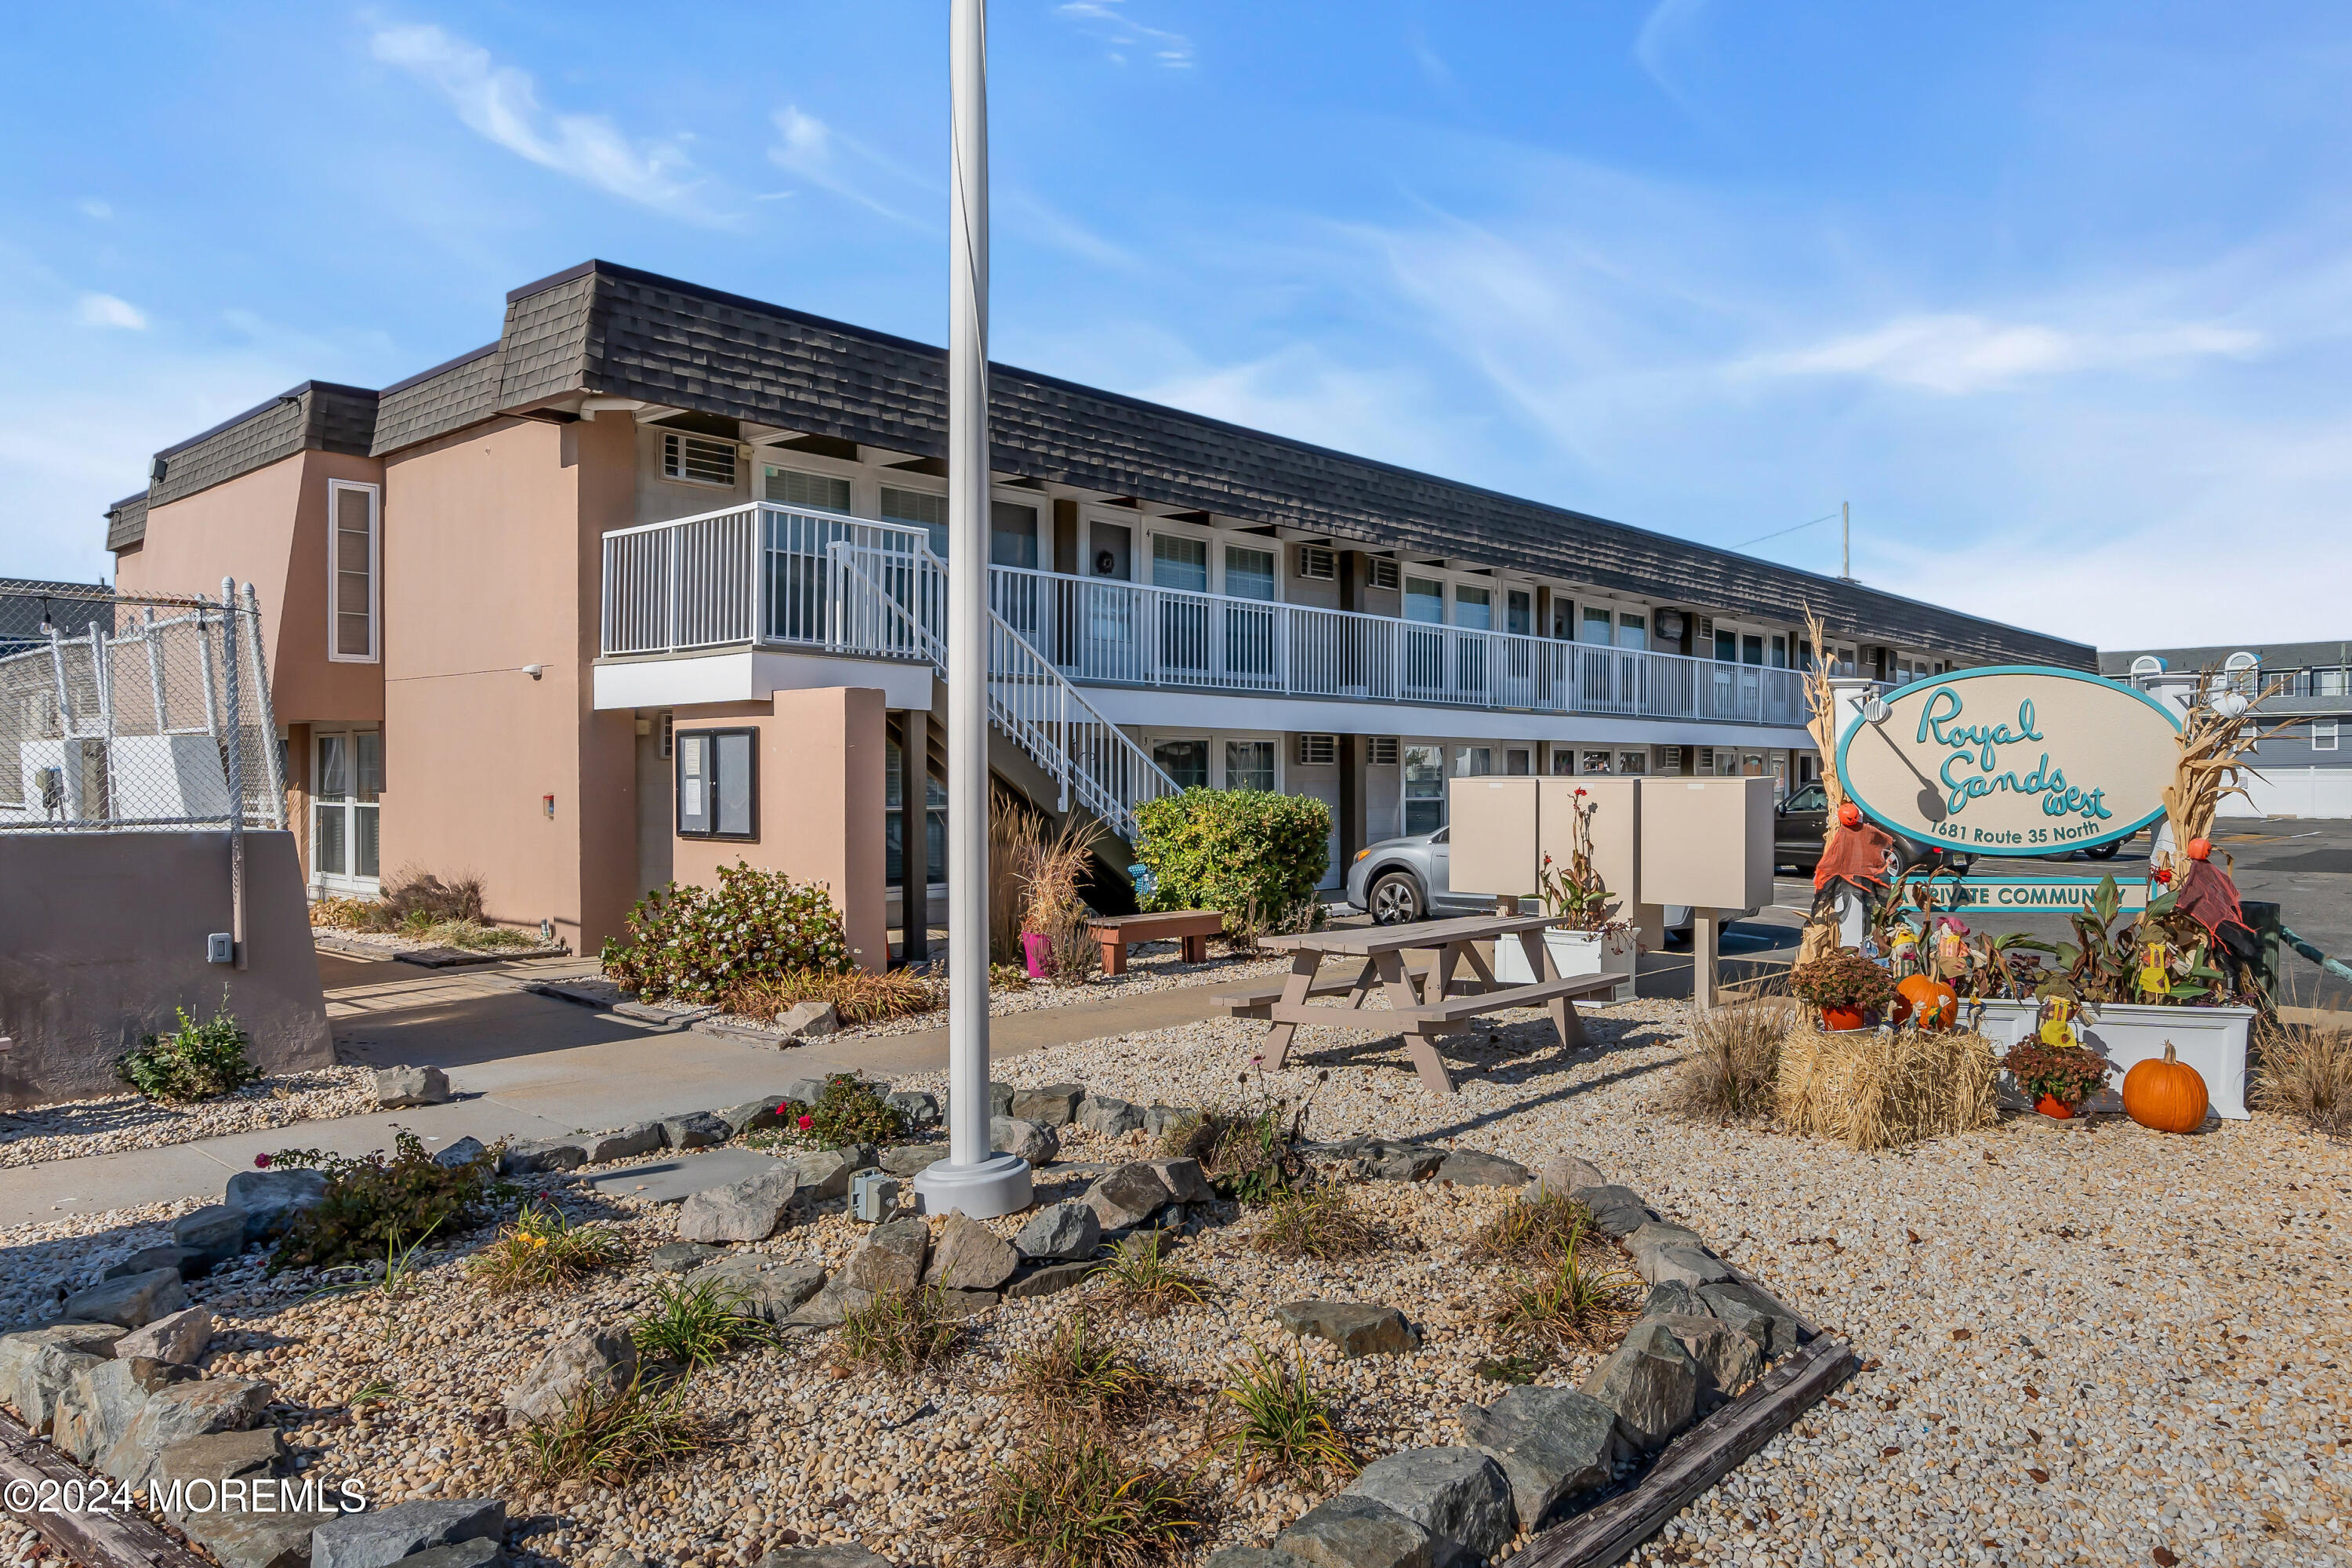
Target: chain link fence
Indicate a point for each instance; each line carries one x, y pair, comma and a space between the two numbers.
151, 713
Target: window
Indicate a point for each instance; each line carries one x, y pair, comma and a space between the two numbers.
347, 785
1670, 758
818, 492
1249, 574
1519, 613
1518, 763
1249, 764
1474, 608
921, 509
1726, 646
1012, 535
1186, 761
1563, 761
1424, 789
1379, 751
1779, 652
1424, 599
1599, 625
697, 460
2323, 734
1180, 562
1594, 762
1632, 630
935, 822
1315, 562
1318, 751
1381, 572
1473, 762
1633, 762
1564, 619
1751, 650
718, 783
356, 549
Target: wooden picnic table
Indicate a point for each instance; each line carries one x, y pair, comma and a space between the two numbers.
1445, 1001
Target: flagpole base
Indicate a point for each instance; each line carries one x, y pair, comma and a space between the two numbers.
996, 1186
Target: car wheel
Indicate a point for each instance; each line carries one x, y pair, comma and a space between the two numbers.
2104, 851
1396, 900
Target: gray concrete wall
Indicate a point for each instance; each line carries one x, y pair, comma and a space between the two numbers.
102, 935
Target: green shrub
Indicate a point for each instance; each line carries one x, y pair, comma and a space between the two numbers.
1254, 855
375, 1199
846, 1111
195, 1061
1074, 1498
695, 943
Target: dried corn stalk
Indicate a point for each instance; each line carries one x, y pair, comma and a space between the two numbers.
2212, 746
1821, 720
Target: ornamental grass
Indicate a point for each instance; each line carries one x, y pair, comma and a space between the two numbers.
1881, 1088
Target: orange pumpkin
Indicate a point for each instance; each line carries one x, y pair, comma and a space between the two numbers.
1927, 1003
2199, 849
2167, 1094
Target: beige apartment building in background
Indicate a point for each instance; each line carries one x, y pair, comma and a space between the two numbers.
649, 584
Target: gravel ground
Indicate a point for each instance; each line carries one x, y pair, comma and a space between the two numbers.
74, 1128
2082, 1345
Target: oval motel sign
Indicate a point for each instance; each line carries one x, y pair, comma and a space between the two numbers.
2012, 759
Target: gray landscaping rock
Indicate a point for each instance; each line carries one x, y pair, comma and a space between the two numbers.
131, 1300
1129, 1194
680, 1257
97, 1407
1358, 1328
1184, 1180
999, 1099
1356, 1531
749, 1210
762, 1287
919, 1108
1691, 1266
179, 1338
1458, 1495
43, 1381
971, 1256
464, 1152
1050, 1279
1251, 1557
825, 1172
576, 1361
220, 1457
808, 1021
625, 1143
1659, 1234
1568, 1174
397, 1088
1157, 1119
1616, 1211
241, 1539
216, 1232
912, 1159
755, 1115
185, 1261
1032, 1142
1066, 1230
1552, 1443
1470, 1168
1651, 1384
1771, 1325
1674, 1296
542, 1156
835, 1301
1374, 1159
694, 1130
1056, 1105
181, 1410
18, 1350
1728, 1359
839, 1554
891, 1257
1110, 1117
382, 1537
805, 1090
483, 1552
271, 1199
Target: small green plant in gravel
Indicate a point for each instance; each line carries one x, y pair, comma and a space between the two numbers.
1512, 1369
1573, 1302
1250, 1153
373, 1201
610, 1437
1273, 1419
901, 1331
697, 1325
196, 1061
1322, 1223
1078, 1370
2305, 1072
1142, 1280
847, 1111
1073, 1499
544, 1247
1540, 1229
694, 944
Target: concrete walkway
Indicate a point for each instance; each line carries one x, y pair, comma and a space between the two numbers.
526, 1066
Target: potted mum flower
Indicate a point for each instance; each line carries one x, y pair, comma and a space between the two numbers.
2057, 1078
1846, 986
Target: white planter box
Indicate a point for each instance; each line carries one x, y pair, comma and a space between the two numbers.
2210, 1039
1574, 952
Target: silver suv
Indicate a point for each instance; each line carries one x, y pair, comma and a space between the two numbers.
1399, 880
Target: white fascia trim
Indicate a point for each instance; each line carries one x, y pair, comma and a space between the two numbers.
1164, 710
751, 674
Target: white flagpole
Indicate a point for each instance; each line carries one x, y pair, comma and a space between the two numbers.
972, 1179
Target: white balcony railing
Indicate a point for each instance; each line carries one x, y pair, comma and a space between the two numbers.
768, 573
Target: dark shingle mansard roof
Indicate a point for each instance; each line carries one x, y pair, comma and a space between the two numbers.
2273, 654
317, 416
126, 521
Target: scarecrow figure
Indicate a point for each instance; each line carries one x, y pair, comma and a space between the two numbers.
2156, 969
2204, 892
2054, 1024
1857, 867
1951, 949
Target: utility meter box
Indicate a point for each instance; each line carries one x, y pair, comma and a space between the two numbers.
1706, 842
1492, 835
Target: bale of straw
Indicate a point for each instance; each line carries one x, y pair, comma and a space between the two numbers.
1878, 1089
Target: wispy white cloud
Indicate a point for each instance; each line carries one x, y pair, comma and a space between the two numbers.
1127, 39
501, 103
1031, 217
91, 207
835, 160
1671, 26
1961, 354
106, 311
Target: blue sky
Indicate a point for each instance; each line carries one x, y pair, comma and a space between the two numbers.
2055, 295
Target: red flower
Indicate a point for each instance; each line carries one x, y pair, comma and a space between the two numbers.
807, 1121
261, 1161
1580, 791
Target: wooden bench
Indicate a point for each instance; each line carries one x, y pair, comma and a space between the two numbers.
1254, 1001
1117, 933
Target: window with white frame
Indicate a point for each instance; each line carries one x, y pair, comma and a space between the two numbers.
355, 570
1249, 764
1249, 574
697, 460
1183, 759
1423, 785
346, 786
920, 509
796, 486
1473, 607
2323, 734
1424, 600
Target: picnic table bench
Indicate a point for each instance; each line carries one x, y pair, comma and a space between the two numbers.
1117, 933
1442, 1004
